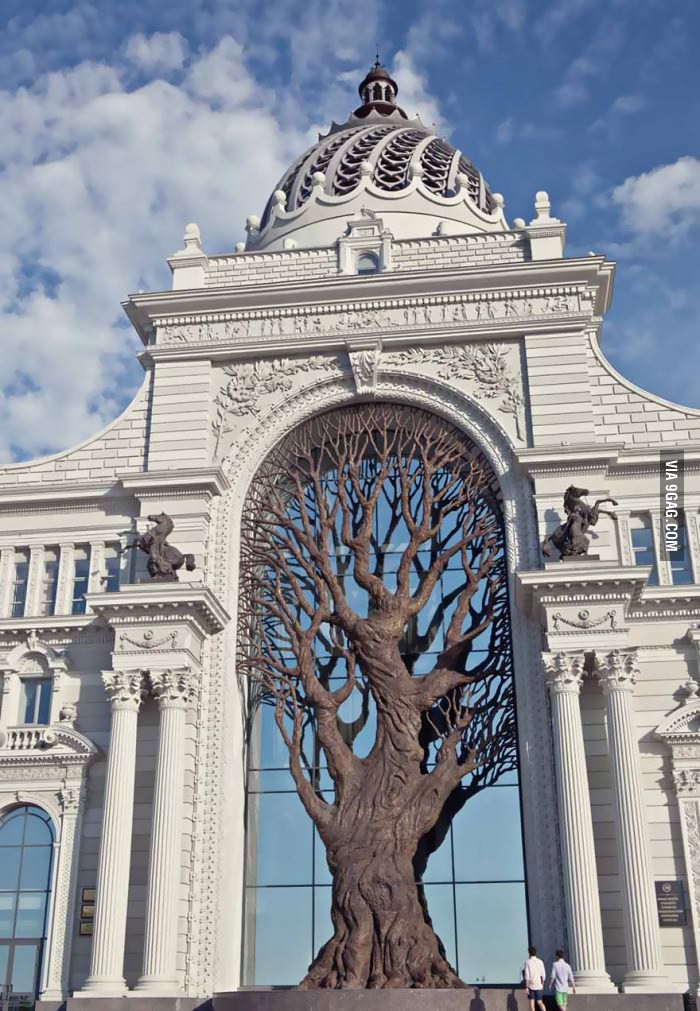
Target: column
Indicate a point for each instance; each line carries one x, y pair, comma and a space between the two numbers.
645, 972
564, 673
7, 571
174, 690
107, 958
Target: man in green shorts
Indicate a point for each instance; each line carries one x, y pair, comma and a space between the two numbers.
562, 978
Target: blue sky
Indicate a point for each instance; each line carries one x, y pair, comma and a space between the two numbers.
121, 122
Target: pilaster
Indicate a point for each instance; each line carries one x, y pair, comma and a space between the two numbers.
66, 570
7, 563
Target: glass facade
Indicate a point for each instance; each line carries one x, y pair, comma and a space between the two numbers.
474, 881
26, 850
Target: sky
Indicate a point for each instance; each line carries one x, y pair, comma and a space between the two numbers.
122, 122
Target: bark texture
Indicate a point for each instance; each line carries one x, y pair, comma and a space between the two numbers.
329, 615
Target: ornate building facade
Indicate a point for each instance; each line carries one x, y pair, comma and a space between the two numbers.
137, 805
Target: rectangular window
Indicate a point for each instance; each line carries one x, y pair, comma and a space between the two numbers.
35, 700
49, 581
643, 546
681, 571
81, 577
112, 566
19, 592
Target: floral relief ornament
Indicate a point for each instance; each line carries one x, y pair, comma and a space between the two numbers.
248, 381
487, 365
584, 620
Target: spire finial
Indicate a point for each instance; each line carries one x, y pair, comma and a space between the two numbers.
377, 60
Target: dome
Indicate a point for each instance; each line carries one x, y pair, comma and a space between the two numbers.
392, 164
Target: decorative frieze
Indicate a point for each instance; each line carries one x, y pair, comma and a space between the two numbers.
584, 621
347, 319
148, 640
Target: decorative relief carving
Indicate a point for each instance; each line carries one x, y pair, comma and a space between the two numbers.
687, 781
584, 620
69, 798
446, 311
617, 670
364, 363
691, 822
147, 640
124, 688
176, 687
564, 672
485, 364
250, 380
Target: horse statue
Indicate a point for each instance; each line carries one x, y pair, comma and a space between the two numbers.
570, 537
163, 559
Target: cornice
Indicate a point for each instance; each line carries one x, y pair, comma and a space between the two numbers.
209, 480
583, 581
142, 309
59, 492
54, 624
168, 601
608, 457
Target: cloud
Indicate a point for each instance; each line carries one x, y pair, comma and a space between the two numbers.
489, 17
627, 105
505, 131
414, 95
159, 52
557, 16
591, 64
663, 202
99, 178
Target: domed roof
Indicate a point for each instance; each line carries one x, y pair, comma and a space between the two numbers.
381, 157
394, 151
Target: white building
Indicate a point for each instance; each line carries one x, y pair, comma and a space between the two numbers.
382, 269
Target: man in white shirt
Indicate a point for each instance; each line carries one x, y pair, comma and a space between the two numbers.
562, 978
533, 979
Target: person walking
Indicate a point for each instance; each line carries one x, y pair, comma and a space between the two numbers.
561, 979
533, 979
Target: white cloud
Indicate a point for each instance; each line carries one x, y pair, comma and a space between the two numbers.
414, 96
159, 52
627, 105
663, 202
505, 131
557, 16
490, 17
98, 182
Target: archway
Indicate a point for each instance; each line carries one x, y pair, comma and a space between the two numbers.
462, 627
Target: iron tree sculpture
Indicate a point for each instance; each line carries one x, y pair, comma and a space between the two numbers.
349, 533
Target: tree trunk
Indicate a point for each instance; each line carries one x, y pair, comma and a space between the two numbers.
382, 938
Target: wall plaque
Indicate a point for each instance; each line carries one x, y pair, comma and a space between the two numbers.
670, 903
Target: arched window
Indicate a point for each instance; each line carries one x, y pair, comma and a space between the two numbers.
367, 263
26, 851
370, 498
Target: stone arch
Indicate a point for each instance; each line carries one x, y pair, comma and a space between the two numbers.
543, 867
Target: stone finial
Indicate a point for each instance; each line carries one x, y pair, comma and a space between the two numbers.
289, 243
240, 247
416, 171
542, 209
318, 179
193, 237
499, 201
518, 222
252, 224
365, 168
462, 180
280, 198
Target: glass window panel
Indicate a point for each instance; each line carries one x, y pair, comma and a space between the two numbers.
19, 590
277, 780
9, 867
44, 706
4, 959
272, 750
112, 569
487, 837
81, 577
284, 841
7, 913
35, 699
12, 828
31, 908
440, 862
49, 581
322, 875
29, 693
492, 933
359, 735
643, 546
282, 935
323, 925
440, 900
24, 964
36, 863
38, 830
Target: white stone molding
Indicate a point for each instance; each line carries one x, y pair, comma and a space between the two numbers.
97, 566
364, 361
617, 671
625, 537
66, 575
34, 658
125, 690
365, 234
34, 580
564, 673
680, 731
7, 565
214, 919
175, 691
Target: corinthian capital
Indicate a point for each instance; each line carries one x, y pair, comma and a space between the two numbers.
564, 672
173, 687
617, 670
125, 688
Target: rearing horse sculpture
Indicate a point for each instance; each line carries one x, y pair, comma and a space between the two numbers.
163, 559
570, 537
